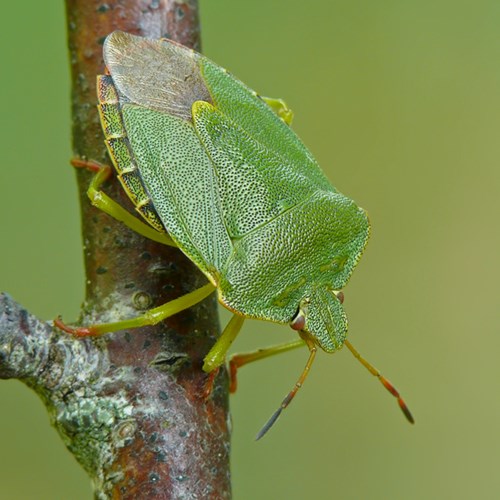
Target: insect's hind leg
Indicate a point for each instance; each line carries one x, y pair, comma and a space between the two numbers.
103, 202
150, 317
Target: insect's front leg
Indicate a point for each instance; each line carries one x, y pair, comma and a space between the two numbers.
239, 360
103, 202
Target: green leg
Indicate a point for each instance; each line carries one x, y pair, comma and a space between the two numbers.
217, 355
239, 360
150, 317
280, 107
103, 202
242, 359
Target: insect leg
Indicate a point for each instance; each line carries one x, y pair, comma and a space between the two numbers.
280, 107
103, 202
239, 360
150, 317
383, 381
288, 398
217, 355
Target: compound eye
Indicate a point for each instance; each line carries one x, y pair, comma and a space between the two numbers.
299, 320
340, 296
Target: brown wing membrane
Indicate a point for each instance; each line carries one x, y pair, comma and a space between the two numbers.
156, 74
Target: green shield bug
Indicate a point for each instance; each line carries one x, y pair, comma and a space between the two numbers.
216, 170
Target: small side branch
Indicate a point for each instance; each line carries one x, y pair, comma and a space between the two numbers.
133, 428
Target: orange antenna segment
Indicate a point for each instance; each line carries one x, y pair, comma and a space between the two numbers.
383, 380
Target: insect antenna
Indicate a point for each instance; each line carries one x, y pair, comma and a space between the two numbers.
383, 381
291, 394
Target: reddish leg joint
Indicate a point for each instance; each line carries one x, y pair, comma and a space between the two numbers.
80, 331
233, 370
93, 166
209, 384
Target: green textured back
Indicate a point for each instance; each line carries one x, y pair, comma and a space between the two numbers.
235, 187
256, 183
310, 249
244, 107
180, 180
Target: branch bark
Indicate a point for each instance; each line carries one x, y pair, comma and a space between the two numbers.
126, 405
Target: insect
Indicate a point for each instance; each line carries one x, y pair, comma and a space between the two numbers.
215, 169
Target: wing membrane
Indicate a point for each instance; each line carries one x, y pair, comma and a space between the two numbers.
157, 74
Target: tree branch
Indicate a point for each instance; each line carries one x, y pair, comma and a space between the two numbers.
127, 405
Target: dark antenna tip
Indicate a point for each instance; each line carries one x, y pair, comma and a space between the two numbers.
269, 423
406, 411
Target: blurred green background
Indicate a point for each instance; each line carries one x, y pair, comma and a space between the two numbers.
400, 103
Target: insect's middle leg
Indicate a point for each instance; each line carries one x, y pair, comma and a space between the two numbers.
103, 202
217, 355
